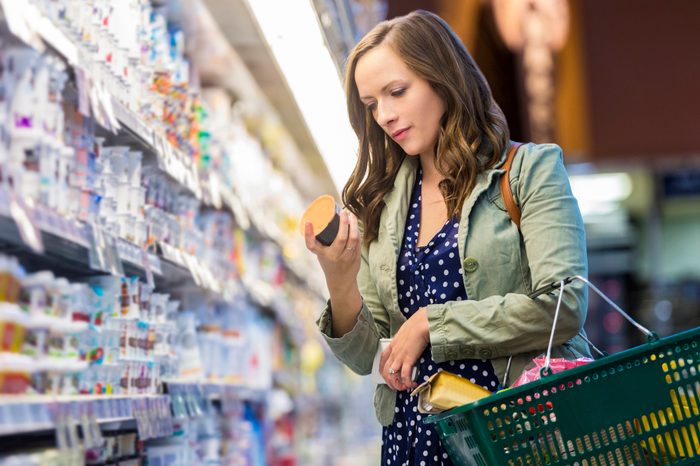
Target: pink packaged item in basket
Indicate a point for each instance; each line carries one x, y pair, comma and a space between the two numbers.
532, 371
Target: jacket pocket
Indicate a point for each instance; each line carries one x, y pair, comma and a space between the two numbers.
496, 199
514, 237
384, 403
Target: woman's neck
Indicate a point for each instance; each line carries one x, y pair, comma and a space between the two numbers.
431, 175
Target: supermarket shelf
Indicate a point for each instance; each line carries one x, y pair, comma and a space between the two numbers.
171, 271
263, 295
249, 50
170, 159
215, 391
67, 246
70, 257
25, 414
211, 192
65, 255
207, 188
21, 414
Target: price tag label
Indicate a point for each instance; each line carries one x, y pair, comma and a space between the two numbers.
191, 264
146, 263
106, 103
84, 235
82, 81
215, 190
155, 264
163, 162
140, 415
4, 203
208, 278
239, 212
203, 275
196, 184
72, 416
24, 219
76, 233
59, 416
95, 106
103, 252
122, 250
167, 417
40, 217
143, 130
168, 252
54, 225
168, 150
179, 170
133, 253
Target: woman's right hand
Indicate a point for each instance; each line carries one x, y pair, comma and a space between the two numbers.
341, 260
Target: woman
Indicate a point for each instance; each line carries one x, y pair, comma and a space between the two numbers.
440, 267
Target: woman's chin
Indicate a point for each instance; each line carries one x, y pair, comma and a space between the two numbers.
410, 151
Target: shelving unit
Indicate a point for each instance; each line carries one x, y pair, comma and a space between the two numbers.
132, 130
44, 240
42, 413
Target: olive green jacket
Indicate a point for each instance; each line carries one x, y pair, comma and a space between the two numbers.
500, 267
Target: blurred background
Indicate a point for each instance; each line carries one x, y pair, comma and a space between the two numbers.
615, 83
258, 90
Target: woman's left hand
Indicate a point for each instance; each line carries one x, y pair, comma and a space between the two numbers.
398, 360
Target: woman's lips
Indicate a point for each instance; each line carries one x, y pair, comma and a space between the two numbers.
400, 134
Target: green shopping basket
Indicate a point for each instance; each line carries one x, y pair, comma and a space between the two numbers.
637, 407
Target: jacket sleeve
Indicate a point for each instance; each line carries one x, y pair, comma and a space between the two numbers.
554, 239
356, 349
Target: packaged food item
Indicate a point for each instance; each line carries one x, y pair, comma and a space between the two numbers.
15, 375
13, 327
323, 215
10, 276
533, 370
445, 390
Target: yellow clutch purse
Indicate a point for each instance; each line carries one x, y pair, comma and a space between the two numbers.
445, 390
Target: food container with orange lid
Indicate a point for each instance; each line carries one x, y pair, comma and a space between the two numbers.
323, 215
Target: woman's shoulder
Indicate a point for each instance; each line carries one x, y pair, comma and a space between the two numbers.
533, 158
537, 166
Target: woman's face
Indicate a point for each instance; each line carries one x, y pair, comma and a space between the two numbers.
402, 103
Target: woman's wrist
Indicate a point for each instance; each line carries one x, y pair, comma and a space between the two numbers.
343, 289
344, 312
425, 331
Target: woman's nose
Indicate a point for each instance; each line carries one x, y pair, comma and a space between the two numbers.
385, 114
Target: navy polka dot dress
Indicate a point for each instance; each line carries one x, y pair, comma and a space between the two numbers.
427, 275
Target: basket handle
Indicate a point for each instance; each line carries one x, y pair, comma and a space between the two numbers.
545, 370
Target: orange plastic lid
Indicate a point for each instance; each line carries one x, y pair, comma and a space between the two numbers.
320, 213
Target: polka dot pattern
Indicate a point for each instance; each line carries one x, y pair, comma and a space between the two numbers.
430, 274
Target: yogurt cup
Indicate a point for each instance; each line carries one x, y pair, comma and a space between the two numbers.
323, 213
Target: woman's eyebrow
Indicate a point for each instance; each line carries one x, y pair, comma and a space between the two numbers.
393, 81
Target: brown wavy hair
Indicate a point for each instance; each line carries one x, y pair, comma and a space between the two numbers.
473, 131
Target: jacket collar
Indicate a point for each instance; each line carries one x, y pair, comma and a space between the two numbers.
398, 199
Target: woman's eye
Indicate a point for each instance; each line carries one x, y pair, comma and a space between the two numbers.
371, 107
398, 92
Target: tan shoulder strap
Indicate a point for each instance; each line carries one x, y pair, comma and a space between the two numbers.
506, 192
